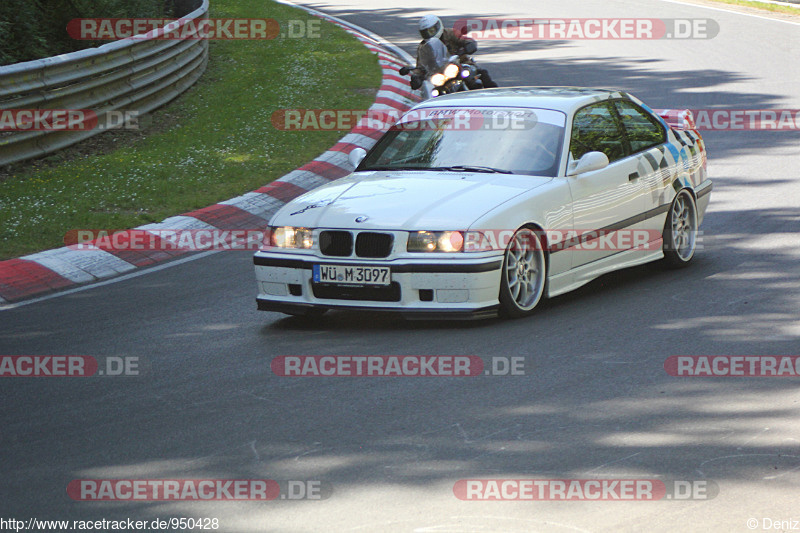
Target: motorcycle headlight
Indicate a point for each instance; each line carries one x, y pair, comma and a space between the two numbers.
438, 79
451, 70
465, 73
291, 237
435, 241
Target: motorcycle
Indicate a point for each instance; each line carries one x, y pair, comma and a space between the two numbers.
445, 74
456, 76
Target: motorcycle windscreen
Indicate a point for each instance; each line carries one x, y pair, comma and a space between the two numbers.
433, 55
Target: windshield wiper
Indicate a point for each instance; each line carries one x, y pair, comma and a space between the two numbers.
454, 168
473, 168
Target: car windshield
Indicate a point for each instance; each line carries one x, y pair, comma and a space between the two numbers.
507, 140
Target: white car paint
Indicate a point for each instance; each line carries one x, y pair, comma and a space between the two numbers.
634, 192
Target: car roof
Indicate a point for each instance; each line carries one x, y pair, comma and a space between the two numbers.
565, 99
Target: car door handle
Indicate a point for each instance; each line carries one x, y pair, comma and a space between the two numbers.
633, 176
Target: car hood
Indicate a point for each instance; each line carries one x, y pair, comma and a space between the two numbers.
404, 200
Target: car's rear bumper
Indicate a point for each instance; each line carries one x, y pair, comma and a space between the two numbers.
421, 288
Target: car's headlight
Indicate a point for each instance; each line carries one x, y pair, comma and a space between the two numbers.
290, 237
438, 79
435, 241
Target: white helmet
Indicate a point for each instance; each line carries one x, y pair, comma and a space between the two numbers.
430, 26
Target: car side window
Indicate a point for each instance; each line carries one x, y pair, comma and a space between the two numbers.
642, 129
596, 129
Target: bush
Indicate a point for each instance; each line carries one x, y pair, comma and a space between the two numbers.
33, 29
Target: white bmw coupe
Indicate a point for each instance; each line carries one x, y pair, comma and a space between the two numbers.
483, 202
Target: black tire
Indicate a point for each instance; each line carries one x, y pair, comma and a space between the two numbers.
522, 281
680, 231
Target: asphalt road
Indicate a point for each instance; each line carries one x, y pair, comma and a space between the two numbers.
595, 401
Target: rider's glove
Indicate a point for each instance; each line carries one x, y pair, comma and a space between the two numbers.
405, 70
416, 82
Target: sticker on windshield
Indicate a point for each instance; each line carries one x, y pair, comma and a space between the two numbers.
496, 118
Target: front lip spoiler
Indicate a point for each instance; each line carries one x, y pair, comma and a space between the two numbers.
699, 193
410, 314
467, 268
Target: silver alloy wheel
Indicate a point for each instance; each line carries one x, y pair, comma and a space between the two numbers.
684, 226
524, 269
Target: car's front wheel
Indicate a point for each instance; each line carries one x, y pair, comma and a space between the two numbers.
524, 274
680, 231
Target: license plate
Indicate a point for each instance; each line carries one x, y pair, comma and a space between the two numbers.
352, 275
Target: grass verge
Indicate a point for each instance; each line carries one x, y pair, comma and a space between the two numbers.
777, 8
214, 142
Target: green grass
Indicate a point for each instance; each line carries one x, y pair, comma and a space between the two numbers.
761, 5
221, 142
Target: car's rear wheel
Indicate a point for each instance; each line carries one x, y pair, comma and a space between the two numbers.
680, 231
524, 274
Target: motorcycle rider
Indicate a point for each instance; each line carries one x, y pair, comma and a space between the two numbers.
430, 26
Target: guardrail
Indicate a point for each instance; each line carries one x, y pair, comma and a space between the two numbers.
138, 74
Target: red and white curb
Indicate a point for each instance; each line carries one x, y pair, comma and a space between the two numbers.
55, 270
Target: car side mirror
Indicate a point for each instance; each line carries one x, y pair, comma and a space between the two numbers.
356, 156
589, 162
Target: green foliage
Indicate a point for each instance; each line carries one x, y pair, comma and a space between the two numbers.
33, 29
214, 142
20, 31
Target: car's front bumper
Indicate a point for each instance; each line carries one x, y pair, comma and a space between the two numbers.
424, 288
